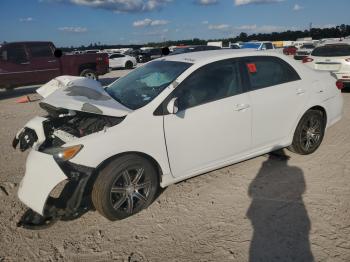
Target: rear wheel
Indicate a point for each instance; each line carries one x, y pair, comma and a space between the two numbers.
124, 187
309, 133
129, 65
89, 73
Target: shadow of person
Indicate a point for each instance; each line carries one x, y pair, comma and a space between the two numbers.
277, 212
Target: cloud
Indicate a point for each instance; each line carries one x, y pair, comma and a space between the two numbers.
297, 7
219, 27
26, 19
153, 33
149, 22
126, 6
260, 29
206, 2
205, 22
249, 2
73, 29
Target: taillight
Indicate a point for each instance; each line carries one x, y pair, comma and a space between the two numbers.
339, 84
307, 60
107, 60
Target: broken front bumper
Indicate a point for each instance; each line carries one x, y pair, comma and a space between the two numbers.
43, 174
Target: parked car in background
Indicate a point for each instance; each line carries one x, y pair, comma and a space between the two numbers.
121, 61
26, 63
195, 48
290, 50
334, 58
149, 54
257, 45
166, 121
304, 51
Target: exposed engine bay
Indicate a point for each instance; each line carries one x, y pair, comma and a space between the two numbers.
61, 126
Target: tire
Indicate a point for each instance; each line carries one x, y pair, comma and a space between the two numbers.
309, 133
124, 187
89, 73
129, 65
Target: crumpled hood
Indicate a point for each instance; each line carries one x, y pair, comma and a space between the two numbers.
81, 94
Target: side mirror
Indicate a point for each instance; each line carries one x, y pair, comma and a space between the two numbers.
58, 53
172, 106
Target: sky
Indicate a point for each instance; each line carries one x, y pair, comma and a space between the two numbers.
81, 22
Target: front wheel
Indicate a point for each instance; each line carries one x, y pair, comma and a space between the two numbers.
124, 187
309, 133
89, 73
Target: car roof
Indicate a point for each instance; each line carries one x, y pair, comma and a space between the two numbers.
203, 57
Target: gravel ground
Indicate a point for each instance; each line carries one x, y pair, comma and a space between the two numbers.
267, 208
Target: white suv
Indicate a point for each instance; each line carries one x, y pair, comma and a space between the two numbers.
334, 58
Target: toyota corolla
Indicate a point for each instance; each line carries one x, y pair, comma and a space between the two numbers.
166, 121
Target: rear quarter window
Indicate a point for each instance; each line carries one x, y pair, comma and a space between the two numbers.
268, 71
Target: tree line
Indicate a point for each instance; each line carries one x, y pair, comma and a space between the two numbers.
289, 35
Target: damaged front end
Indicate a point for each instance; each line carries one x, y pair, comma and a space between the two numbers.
48, 164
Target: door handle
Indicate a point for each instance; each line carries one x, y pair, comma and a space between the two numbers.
241, 107
51, 61
25, 63
300, 91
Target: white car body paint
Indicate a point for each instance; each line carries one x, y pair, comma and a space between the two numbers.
120, 62
41, 177
176, 143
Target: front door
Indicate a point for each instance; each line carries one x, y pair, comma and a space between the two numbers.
213, 124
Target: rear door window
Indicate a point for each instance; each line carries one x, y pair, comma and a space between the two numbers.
265, 71
14, 54
40, 50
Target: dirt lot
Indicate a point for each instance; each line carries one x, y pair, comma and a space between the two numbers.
266, 208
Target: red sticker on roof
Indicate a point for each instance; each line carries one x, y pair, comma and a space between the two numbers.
251, 68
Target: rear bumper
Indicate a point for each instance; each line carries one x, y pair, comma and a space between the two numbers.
299, 57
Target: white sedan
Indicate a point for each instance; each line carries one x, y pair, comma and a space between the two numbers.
122, 61
166, 121
334, 58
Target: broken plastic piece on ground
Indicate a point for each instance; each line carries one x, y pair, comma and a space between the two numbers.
24, 99
34, 221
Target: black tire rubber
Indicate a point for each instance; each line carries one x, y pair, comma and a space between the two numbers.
129, 65
297, 145
87, 72
101, 192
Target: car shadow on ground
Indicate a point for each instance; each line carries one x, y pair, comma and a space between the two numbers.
17, 92
277, 212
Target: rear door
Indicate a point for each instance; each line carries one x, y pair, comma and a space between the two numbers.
116, 60
277, 98
43, 61
15, 68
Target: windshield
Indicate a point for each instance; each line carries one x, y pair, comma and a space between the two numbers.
142, 85
332, 50
251, 45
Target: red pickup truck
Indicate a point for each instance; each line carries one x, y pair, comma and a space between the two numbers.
26, 63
